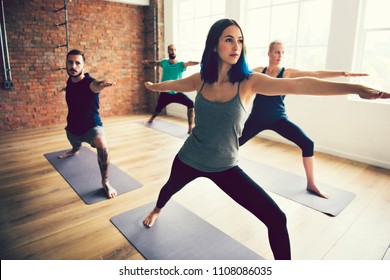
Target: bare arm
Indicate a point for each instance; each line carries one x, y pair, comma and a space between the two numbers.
97, 86
191, 83
260, 83
151, 62
190, 63
322, 74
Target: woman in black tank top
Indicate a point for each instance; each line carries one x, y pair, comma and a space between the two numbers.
268, 112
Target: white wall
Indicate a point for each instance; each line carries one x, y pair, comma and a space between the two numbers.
357, 130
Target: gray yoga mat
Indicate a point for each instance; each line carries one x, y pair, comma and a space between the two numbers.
82, 173
293, 187
179, 234
167, 127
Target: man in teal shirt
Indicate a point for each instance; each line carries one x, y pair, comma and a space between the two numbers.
173, 70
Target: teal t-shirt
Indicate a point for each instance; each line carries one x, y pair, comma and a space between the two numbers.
172, 71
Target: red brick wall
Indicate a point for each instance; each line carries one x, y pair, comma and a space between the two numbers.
112, 35
154, 48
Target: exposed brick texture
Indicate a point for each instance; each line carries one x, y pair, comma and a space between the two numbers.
115, 38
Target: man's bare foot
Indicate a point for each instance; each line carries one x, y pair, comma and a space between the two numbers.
110, 191
152, 217
314, 190
149, 121
68, 154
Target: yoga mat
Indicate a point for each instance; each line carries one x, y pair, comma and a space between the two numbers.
179, 234
167, 127
82, 173
293, 187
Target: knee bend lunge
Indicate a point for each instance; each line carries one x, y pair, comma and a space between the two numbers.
280, 220
103, 161
308, 148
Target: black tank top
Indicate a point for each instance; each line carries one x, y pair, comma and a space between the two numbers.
83, 106
269, 108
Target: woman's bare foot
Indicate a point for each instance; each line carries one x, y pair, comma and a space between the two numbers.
68, 154
190, 127
110, 191
314, 190
152, 217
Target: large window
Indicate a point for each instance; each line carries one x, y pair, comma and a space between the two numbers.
302, 25
194, 20
373, 44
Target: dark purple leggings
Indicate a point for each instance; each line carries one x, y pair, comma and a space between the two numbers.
242, 189
165, 99
283, 127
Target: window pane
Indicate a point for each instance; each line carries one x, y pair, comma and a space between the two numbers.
314, 23
201, 29
213, 19
276, 2
279, 29
202, 8
186, 39
377, 14
194, 21
373, 52
186, 9
376, 59
302, 25
257, 57
218, 6
257, 4
289, 57
257, 31
310, 58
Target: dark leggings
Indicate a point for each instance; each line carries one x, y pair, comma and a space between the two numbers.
284, 127
242, 189
165, 98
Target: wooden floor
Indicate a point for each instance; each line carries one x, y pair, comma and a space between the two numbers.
42, 218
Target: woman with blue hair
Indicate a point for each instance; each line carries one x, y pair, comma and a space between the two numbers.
225, 90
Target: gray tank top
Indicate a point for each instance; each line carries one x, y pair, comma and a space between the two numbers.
213, 143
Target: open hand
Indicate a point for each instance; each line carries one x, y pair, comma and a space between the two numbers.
374, 94
348, 74
148, 85
104, 84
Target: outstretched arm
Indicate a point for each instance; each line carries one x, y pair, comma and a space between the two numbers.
97, 86
151, 62
190, 63
322, 74
266, 85
188, 84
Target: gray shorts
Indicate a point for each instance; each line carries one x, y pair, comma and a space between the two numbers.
88, 137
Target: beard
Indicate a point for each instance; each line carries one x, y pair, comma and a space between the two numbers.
73, 74
172, 56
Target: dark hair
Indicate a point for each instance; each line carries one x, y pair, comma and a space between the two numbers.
76, 52
209, 63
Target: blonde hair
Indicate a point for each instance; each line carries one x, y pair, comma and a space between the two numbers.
273, 43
